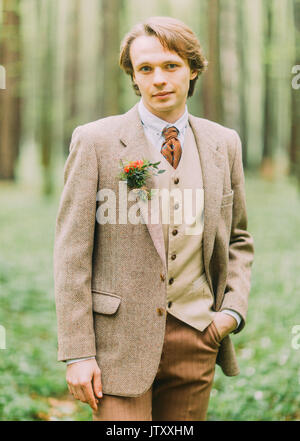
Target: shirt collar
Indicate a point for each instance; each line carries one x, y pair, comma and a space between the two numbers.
157, 124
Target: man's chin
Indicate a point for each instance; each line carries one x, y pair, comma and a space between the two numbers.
164, 106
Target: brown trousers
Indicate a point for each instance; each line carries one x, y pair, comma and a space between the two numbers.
182, 385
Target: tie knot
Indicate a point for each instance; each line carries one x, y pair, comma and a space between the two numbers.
170, 132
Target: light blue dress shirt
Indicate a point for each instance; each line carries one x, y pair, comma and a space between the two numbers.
153, 126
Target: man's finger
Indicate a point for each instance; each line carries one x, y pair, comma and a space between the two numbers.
88, 392
72, 391
76, 392
69, 387
97, 385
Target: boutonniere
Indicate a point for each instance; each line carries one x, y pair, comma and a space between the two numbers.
136, 173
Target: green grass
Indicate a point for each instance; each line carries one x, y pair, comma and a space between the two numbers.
29, 372
266, 389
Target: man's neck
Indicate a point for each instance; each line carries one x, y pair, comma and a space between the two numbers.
167, 116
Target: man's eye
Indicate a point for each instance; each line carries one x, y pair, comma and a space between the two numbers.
145, 69
172, 65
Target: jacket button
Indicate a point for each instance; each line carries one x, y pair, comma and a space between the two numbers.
160, 311
176, 206
174, 232
171, 280
176, 180
162, 277
169, 304
173, 257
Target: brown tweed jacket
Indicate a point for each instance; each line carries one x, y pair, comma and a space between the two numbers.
110, 279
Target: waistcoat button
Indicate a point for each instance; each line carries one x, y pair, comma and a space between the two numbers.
176, 180
171, 280
174, 232
173, 257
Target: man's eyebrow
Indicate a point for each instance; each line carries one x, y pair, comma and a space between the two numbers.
164, 62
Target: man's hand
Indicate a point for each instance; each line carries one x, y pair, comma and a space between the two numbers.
225, 323
84, 381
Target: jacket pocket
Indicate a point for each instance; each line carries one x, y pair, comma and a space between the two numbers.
105, 302
227, 199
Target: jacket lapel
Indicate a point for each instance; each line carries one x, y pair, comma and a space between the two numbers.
135, 146
212, 165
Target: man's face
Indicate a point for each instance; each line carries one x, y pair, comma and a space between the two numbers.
162, 76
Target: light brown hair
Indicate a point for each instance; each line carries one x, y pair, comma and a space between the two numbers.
173, 35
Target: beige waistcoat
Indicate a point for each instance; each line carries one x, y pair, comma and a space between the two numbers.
189, 297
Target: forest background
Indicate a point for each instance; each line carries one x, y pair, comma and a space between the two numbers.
59, 69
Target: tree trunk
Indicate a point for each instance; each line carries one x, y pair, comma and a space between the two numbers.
46, 104
295, 103
111, 12
212, 94
72, 74
10, 97
267, 165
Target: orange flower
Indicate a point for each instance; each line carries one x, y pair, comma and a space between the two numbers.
140, 163
133, 164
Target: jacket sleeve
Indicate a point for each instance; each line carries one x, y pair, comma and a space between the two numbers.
73, 248
241, 247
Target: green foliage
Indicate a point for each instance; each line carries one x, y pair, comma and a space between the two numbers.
268, 385
135, 173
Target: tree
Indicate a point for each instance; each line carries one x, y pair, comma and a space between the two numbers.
46, 104
295, 104
212, 102
111, 13
71, 80
10, 98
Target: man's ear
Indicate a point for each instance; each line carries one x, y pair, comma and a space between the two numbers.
133, 79
193, 75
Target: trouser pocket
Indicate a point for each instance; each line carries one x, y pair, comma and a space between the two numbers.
215, 333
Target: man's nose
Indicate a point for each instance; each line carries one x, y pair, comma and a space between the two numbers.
158, 77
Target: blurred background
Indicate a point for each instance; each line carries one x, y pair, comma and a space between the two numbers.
59, 69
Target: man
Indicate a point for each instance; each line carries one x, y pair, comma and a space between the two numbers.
145, 309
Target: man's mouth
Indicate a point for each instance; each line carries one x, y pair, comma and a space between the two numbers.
162, 94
